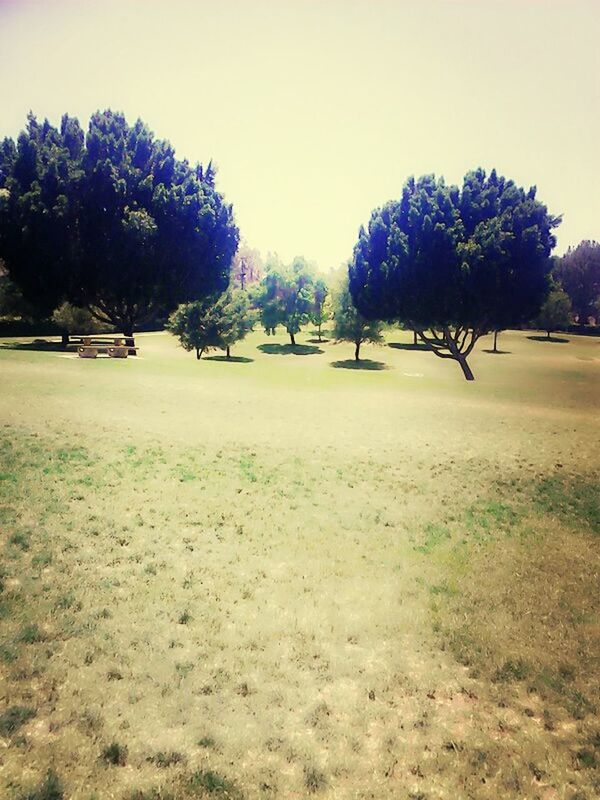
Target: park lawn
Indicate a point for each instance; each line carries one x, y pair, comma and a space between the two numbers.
284, 576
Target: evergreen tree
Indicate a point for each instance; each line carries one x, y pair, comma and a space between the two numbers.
455, 263
349, 325
578, 272
110, 221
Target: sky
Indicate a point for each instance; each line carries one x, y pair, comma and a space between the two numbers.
316, 111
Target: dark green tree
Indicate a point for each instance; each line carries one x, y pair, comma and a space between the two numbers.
38, 241
111, 221
349, 325
555, 313
454, 263
210, 324
578, 272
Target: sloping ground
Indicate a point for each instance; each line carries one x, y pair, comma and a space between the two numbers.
278, 579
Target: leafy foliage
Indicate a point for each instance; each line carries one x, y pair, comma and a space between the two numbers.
454, 262
286, 296
208, 324
578, 273
321, 311
111, 220
349, 324
77, 320
555, 312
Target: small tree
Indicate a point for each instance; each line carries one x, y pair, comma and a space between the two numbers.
321, 311
205, 325
235, 320
266, 300
286, 296
555, 312
349, 325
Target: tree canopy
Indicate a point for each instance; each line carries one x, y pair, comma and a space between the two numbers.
578, 272
286, 295
110, 220
211, 323
349, 325
454, 263
321, 309
556, 311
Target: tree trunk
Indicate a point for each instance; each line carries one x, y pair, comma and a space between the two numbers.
547, 334
357, 351
414, 337
228, 352
199, 351
292, 339
495, 342
64, 339
465, 368
319, 330
129, 340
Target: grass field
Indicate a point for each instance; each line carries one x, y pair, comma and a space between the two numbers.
286, 577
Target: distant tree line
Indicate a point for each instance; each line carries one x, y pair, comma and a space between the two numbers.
107, 228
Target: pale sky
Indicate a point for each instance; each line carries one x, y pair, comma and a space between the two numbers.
316, 112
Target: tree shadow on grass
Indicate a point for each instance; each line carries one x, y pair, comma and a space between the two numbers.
322, 340
363, 363
230, 360
41, 345
408, 346
498, 352
290, 349
557, 339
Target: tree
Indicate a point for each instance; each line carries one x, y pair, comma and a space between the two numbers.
349, 325
235, 319
578, 272
266, 297
110, 221
208, 324
454, 263
247, 267
555, 312
321, 310
286, 296
12, 303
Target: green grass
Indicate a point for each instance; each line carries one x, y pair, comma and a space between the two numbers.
270, 577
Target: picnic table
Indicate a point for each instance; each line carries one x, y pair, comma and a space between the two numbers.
113, 346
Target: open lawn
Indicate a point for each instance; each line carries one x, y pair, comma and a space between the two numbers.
284, 576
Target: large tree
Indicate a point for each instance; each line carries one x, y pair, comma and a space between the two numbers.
111, 221
578, 272
454, 263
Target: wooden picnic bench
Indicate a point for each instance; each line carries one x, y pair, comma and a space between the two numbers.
113, 346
